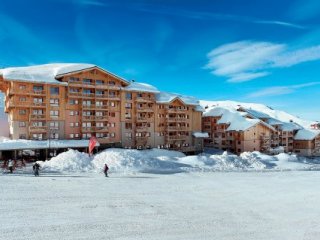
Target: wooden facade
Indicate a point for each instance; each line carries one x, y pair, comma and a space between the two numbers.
93, 102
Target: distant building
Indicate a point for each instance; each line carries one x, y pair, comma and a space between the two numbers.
239, 130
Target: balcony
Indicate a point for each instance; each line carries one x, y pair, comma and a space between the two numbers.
38, 129
38, 92
174, 119
145, 109
144, 119
177, 128
144, 99
38, 116
176, 110
176, 137
38, 105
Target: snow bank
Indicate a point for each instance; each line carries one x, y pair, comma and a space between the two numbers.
70, 161
161, 161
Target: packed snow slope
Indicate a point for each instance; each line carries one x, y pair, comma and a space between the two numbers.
204, 206
277, 114
160, 161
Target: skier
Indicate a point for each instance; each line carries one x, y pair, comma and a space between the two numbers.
105, 170
10, 165
36, 168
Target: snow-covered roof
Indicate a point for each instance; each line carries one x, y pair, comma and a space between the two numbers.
33, 144
200, 134
256, 114
304, 134
273, 121
198, 108
166, 97
141, 87
46, 73
291, 126
235, 119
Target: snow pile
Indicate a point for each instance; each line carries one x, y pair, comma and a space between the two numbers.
70, 161
164, 162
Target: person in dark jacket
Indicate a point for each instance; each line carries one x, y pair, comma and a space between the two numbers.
105, 170
36, 168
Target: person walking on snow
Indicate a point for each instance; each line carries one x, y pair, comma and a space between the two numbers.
36, 168
10, 166
105, 170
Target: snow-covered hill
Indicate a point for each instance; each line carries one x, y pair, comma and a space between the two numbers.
277, 114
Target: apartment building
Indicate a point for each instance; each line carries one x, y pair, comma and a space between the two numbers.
241, 129
77, 101
232, 131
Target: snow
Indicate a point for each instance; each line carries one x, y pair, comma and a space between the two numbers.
6, 144
230, 116
276, 114
200, 134
45, 73
304, 134
143, 87
159, 161
220, 205
166, 97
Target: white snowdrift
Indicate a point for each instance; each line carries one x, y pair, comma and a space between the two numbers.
164, 161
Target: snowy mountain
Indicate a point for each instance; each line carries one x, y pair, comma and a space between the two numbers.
276, 114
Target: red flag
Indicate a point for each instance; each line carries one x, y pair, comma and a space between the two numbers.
92, 143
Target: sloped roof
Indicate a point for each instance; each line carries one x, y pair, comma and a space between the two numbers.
143, 87
235, 119
46, 73
256, 114
166, 97
304, 134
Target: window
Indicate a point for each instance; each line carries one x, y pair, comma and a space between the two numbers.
37, 100
87, 81
99, 114
128, 96
86, 113
128, 125
74, 79
22, 112
99, 82
54, 113
112, 104
86, 124
22, 99
99, 92
99, 103
38, 88
139, 95
36, 136
74, 113
71, 135
100, 124
22, 87
128, 134
86, 91
111, 124
73, 102
54, 135
54, 90
86, 103
76, 135
22, 124
112, 135
86, 135
112, 83
54, 125
128, 105
37, 112
128, 115
54, 101
112, 114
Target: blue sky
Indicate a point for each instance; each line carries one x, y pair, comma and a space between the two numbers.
253, 51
